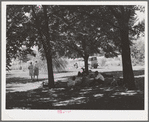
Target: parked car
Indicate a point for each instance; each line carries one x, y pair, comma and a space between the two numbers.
93, 63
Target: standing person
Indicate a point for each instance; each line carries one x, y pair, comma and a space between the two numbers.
36, 70
31, 70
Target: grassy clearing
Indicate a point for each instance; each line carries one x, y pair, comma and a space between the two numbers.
96, 97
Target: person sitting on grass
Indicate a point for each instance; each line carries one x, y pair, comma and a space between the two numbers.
71, 82
79, 74
31, 70
78, 80
98, 78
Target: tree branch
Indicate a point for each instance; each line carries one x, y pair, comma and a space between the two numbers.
74, 47
39, 31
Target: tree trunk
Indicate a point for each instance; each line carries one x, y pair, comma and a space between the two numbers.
86, 63
123, 19
128, 76
50, 71
48, 54
46, 45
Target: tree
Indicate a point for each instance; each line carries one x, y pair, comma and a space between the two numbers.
124, 16
120, 22
26, 30
81, 30
15, 33
31, 26
83, 36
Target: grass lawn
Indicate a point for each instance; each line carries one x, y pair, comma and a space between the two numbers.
99, 97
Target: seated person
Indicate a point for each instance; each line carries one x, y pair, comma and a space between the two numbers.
98, 78
79, 74
78, 80
85, 79
71, 81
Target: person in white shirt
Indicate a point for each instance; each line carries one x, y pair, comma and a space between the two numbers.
99, 78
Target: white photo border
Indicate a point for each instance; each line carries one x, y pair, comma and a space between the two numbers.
89, 115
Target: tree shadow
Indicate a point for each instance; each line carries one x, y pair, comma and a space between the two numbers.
19, 80
96, 97
120, 73
85, 98
101, 98
8, 75
57, 72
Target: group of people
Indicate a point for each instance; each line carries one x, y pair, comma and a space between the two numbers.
86, 79
33, 70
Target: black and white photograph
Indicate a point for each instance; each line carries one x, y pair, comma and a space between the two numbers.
74, 60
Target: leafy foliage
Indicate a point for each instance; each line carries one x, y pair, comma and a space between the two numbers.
138, 52
73, 31
16, 33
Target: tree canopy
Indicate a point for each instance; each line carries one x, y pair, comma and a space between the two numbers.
78, 30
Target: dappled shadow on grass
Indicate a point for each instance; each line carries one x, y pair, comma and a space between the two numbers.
91, 98
117, 103
138, 72
81, 98
139, 84
120, 73
102, 98
21, 80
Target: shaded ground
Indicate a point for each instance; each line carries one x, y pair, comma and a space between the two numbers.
106, 98
91, 98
